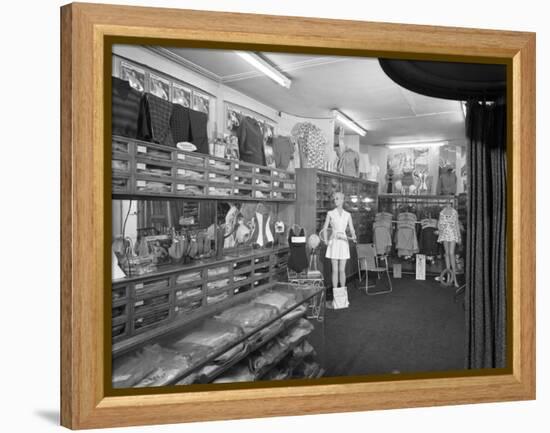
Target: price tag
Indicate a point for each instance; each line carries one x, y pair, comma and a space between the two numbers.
139, 286
181, 156
140, 183
139, 303
276, 184
212, 162
141, 149
235, 191
140, 166
275, 173
256, 170
237, 166
181, 172
211, 175
181, 187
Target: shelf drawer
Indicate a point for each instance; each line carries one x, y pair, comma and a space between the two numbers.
120, 165
190, 175
153, 169
119, 332
119, 293
190, 293
151, 286
150, 302
120, 145
150, 319
188, 279
120, 183
151, 152
157, 186
195, 161
119, 311
187, 307
187, 188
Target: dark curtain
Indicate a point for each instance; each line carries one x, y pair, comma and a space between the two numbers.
485, 296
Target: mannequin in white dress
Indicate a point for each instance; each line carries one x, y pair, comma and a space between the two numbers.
338, 246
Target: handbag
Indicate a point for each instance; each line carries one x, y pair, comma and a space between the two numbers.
340, 298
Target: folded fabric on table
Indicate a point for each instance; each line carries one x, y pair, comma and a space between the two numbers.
303, 350
238, 373
268, 332
281, 301
132, 368
188, 380
296, 312
267, 354
213, 334
231, 354
173, 364
301, 329
248, 316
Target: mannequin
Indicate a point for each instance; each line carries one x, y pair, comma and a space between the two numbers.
338, 247
449, 235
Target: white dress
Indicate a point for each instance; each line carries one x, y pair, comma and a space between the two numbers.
338, 248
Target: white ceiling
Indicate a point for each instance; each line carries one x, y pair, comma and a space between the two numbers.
356, 86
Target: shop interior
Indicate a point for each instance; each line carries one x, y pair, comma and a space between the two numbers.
225, 165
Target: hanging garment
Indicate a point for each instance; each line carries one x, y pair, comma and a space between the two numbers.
428, 238
348, 163
448, 225
263, 235
311, 143
199, 135
297, 258
338, 246
283, 151
381, 228
180, 124
251, 142
406, 244
125, 108
154, 120
446, 185
230, 226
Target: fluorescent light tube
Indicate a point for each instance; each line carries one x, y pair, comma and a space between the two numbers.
417, 144
342, 118
265, 68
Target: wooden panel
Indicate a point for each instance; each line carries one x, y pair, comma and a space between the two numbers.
85, 217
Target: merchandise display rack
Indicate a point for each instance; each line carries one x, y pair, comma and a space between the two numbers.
147, 170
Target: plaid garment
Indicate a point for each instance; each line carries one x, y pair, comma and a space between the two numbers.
180, 124
199, 135
125, 108
154, 120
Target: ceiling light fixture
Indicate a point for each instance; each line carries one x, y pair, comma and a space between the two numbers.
342, 118
265, 68
418, 144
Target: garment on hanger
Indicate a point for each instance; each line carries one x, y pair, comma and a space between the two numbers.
199, 135
125, 108
407, 243
446, 185
154, 120
180, 123
428, 238
263, 235
382, 228
250, 138
348, 163
448, 225
297, 258
283, 151
311, 143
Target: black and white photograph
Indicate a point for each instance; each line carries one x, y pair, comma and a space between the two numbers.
304, 216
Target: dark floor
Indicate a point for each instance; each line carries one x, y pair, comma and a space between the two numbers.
416, 328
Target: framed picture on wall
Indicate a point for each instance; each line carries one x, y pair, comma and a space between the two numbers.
134, 75
181, 95
207, 310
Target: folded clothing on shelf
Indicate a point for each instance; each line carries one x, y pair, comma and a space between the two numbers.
303, 350
218, 271
213, 285
281, 301
187, 306
248, 316
131, 369
190, 174
301, 329
188, 293
187, 277
267, 354
296, 312
213, 299
191, 189
173, 364
238, 373
156, 187
119, 165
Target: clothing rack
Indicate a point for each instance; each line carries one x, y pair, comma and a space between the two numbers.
421, 204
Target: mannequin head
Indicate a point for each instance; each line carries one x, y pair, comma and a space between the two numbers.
339, 199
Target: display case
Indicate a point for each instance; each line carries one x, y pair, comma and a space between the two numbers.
266, 335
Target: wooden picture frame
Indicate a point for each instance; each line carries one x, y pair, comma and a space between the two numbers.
88, 30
